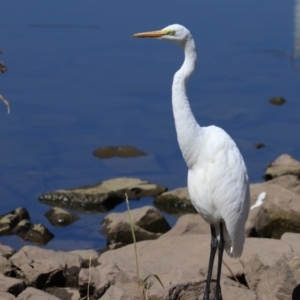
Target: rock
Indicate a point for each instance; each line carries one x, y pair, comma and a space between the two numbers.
42, 268
120, 151
282, 275
277, 101
64, 293
114, 292
32, 294
6, 267
11, 285
181, 260
6, 296
106, 275
194, 289
283, 165
103, 196
6, 251
293, 239
34, 233
290, 182
148, 222
9, 220
188, 224
279, 211
60, 217
89, 257
2, 67
175, 202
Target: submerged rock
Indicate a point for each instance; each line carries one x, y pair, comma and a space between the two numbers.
120, 151
277, 101
148, 222
175, 202
103, 196
60, 217
259, 145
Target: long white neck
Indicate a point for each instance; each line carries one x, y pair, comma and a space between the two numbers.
187, 128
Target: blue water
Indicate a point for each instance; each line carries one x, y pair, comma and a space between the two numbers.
76, 81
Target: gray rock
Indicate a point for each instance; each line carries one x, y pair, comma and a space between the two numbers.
89, 257
188, 224
9, 220
42, 268
6, 251
11, 285
114, 292
6, 267
35, 294
179, 261
175, 202
60, 217
290, 182
104, 276
277, 212
273, 277
283, 165
120, 151
6, 296
293, 239
103, 196
149, 224
64, 293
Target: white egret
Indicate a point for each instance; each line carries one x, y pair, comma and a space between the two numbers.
217, 176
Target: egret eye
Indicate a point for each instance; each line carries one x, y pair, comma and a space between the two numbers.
172, 32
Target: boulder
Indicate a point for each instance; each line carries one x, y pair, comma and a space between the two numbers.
32, 293
149, 224
274, 210
60, 217
9, 220
89, 257
11, 285
188, 224
6, 267
64, 293
6, 251
293, 239
100, 279
283, 165
41, 268
273, 277
6, 296
114, 292
34, 233
103, 196
190, 252
176, 202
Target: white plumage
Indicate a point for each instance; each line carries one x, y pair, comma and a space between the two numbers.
217, 175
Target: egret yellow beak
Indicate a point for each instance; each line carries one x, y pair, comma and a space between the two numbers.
151, 34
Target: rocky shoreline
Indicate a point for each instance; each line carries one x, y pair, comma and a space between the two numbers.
269, 268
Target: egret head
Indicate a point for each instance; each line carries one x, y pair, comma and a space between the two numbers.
175, 33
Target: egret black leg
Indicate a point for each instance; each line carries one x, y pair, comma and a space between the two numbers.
213, 249
218, 294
